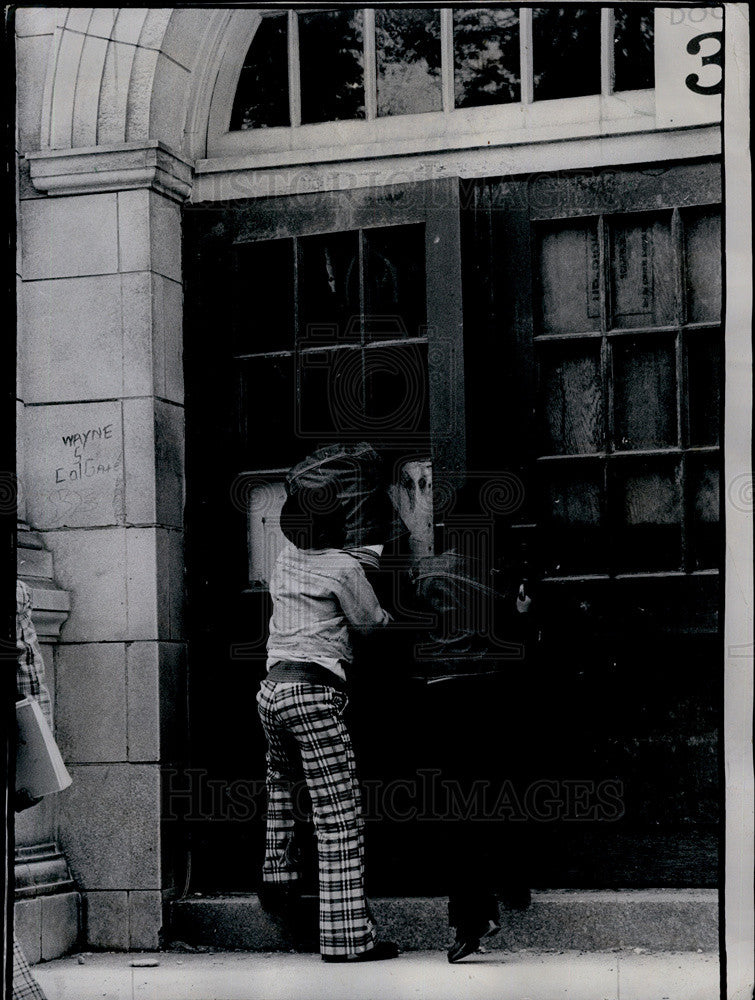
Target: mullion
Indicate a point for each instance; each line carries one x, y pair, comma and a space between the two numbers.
606, 382
297, 324
362, 323
607, 30
526, 72
294, 70
677, 248
447, 66
369, 63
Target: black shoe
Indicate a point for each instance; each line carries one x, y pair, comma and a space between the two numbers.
466, 944
381, 951
461, 948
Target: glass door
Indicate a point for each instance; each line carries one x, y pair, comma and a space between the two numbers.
593, 304
310, 321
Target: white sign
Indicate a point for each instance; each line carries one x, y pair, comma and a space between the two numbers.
689, 49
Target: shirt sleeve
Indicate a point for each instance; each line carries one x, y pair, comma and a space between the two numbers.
359, 601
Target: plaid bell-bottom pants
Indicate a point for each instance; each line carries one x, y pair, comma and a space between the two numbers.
25, 986
306, 733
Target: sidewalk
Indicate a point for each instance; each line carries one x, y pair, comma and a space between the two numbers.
498, 975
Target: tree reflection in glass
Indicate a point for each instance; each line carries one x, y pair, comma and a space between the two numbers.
262, 94
486, 56
566, 51
633, 49
332, 65
408, 60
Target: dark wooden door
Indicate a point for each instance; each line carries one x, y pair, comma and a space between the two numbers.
309, 320
594, 347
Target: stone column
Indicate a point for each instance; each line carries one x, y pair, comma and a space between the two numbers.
100, 350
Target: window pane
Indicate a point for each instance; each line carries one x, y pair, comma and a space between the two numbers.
263, 297
397, 393
268, 414
573, 519
264, 536
644, 393
332, 396
703, 478
571, 400
408, 60
486, 56
702, 232
412, 496
704, 386
633, 49
262, 94
642, 272
395, 282
648, 516
329, 289
569, 273
331, 58
566, 51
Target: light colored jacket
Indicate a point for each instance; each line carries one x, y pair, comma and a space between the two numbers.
318, 595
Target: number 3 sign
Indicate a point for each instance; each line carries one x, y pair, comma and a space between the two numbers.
689, 68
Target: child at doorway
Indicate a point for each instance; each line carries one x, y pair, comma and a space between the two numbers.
319, 592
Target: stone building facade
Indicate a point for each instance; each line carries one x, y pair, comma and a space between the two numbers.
122, 129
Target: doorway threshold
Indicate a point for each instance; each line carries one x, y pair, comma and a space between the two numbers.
557, 919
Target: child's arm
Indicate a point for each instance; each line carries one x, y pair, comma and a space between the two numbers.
359, 601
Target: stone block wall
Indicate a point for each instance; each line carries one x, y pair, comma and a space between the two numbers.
101, 428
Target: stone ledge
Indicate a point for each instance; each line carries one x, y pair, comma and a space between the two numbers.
41, 870
587, 920
118, 167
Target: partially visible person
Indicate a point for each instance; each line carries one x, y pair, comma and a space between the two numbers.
472, 703
30, 666
30, 683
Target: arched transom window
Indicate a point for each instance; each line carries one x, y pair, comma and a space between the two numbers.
306, 67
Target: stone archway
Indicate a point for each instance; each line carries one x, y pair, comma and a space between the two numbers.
114, 107
126, 74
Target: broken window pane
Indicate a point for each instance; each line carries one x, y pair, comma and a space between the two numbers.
704, 386
395, 282
412, 496
642, 272
572, 399
566, 51
633, 48
329, 309
644, 393
264, 537
263, 297
408, 60
702, 231
569, 274
331, 58
262, 94
486, 56
648, 515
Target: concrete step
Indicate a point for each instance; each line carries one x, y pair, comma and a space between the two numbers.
558, 919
